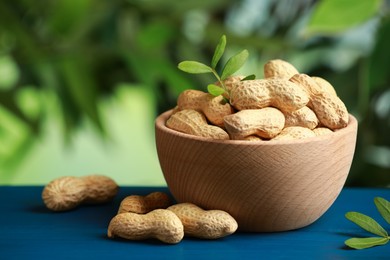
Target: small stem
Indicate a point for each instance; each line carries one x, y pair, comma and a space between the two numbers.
219, 79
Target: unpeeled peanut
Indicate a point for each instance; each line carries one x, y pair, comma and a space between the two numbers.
206, 224
261, 93
322, 131
279, 69
160, 224
144, 204
100, 189
68, 192
304, 117
294, 133
324, 85
266, 123
214, 108
229, 84
193, 122
329, 108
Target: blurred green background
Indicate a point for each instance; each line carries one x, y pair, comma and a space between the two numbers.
82, 81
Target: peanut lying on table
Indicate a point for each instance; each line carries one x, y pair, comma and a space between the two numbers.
207, 224
138, 221
68, 192
160, 223
144, 204
303, 101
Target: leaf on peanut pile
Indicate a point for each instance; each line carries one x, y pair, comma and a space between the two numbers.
215, 90
249, 77
383, 207
194, 67
366, 242
367, 223
219, 50
234, 64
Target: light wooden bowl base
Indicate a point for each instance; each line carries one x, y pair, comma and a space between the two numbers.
265, 186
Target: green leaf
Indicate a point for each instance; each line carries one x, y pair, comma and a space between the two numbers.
383, 207
219, 50
367, 223
249, 77
194, 67
215, 90
335, 16
234, 64
366, 242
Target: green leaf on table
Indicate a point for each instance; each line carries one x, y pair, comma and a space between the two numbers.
194, 67
234, 64
383, 207
219, 50
215, 90
335, 16
249, 77
366, 242
367, 223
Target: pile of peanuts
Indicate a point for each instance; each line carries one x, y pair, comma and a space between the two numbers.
153, 216
139, 217
285, 105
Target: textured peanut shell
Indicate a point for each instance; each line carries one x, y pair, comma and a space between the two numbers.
210, 224
144, 204
324, 85
160, 224
230, 83
280, 93
322, 131
64, 193
194, 123
294, 133
279, 69
329, 108
191, 99
265, 123
304, 117
214, 108
99, 189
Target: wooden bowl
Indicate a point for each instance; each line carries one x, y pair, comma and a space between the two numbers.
265, 186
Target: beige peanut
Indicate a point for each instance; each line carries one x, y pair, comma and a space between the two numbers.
304, 117
100, 189
144, 204
229, 84
329, 108
294, 133
324, 85
261, 93
252, 138
322, 131
68, 192
160, 224
206, 224
279, 69
214, 108
265, 123
194, 123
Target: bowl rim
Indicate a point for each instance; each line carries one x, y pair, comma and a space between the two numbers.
163, 117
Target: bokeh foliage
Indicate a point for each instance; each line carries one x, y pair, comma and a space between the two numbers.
74, 54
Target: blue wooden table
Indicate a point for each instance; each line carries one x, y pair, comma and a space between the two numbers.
29, 231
